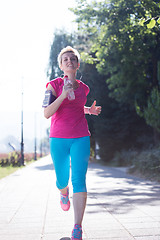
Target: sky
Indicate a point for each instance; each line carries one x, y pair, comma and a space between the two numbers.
27, 29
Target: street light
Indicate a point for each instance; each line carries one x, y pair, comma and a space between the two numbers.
35, 140
22, 143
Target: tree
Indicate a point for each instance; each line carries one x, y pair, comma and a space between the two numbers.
124, 51
149, 20
152, 110
61, 40
118, 126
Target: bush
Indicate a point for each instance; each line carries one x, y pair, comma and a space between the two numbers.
146, 162
4, 162
124, 158
14, 158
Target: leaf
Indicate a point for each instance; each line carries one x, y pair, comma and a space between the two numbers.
142, 22
158, 21
151, 24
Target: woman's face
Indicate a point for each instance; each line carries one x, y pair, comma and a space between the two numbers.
69, 62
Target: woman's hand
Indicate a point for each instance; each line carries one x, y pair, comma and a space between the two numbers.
95, 110
66, 90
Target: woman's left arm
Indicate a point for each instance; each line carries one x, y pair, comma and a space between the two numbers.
93, 110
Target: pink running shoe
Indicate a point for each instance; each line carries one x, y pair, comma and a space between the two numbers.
77, 232
65, 203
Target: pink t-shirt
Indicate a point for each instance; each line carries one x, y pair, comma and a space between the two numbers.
69, 120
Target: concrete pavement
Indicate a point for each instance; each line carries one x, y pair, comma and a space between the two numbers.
119, 206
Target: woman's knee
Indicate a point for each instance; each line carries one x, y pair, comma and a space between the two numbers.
61, 184
79, 183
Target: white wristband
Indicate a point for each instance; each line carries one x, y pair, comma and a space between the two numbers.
89, 111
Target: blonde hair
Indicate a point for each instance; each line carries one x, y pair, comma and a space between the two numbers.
65, 50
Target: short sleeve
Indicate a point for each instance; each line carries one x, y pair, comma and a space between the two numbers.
52, 84
55, 84
86, 88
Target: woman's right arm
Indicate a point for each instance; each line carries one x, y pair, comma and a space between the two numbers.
53, 107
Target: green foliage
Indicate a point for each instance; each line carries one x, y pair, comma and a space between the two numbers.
151, 17
13, 159
144, 163
118, 126
61, 40
150, 22
125, 158
147, 163
152, 111
158, 72
123, 50
87, 58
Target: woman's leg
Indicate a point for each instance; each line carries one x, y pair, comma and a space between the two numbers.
79, 205
60, 153
80, 152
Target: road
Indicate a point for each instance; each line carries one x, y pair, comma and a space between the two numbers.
119, 206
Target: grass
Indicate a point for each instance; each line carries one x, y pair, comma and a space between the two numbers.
7, 170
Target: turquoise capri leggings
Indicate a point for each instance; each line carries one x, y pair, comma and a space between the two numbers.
75, 151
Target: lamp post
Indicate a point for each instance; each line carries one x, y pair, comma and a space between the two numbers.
22, 143
41, 149
35, 140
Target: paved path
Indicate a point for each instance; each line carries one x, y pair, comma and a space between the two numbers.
119, 207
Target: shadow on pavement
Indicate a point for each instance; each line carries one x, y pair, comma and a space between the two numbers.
65, 238
45, 167
118, 191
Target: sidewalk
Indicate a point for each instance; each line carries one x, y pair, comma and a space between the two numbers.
119, 206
